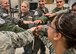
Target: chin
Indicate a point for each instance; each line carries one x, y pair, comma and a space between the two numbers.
23, 11
59, 7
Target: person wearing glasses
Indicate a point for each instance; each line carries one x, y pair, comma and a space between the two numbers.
62, 34
74, 8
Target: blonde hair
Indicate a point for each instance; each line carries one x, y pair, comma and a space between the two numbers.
26, 2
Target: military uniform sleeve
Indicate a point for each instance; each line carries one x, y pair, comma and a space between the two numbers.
19, 39
10, 19
44, 38
62, 11
10, 27
44, 19
55, 10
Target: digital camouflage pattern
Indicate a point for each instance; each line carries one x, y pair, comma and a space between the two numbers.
45, 18
9, 41
50, 45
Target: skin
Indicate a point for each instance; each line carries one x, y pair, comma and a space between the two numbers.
60, 3
24, 8
42, 3
5, 4
74, 9
56, 38
51, 31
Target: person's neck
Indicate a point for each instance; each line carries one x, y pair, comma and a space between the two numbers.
41, 7
5, 10
25, 13
61, 8
59, 48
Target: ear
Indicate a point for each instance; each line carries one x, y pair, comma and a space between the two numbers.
57, 36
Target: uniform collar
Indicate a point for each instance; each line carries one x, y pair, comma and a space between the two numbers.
70, 51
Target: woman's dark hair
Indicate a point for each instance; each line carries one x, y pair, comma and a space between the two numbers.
66, 25
74, 4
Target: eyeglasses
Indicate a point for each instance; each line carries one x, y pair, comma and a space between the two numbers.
49, 24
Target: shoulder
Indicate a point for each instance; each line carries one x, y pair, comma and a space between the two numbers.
38, 9
5, 42
66, 8
46, 8
2, 21
3, 39
70, 51
55, 10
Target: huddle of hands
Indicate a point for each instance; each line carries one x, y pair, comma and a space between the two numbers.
39, 21
36, 30
32, 22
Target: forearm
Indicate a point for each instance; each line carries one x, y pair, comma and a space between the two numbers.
62, 11
44, 19
20, 39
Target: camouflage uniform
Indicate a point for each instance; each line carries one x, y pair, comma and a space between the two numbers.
10, 22
2, 10
34, 46
56, 10
69, 51
38, 13
45, 19
50, 45
9, 25
9, 41
9, 19
26, 17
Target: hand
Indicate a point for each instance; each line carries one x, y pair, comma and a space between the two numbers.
50, 14
47, 14
39, 27
28, 22
37, 21
37, 31
32, 29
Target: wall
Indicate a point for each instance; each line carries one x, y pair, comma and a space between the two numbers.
14, 2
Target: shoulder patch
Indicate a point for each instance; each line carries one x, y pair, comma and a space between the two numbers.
2, 21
